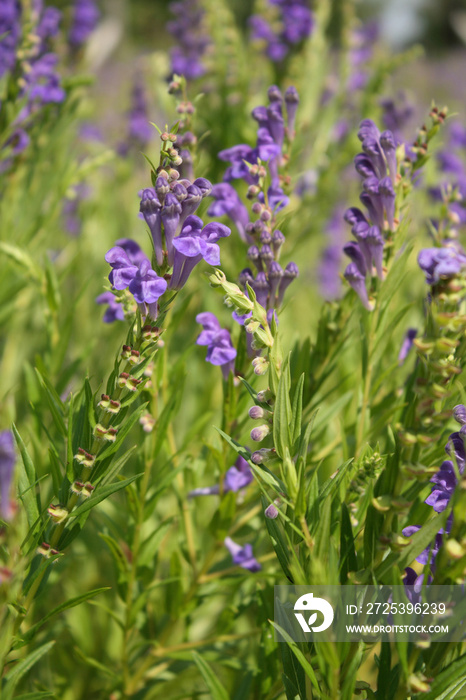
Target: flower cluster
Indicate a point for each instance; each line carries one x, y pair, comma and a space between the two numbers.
40, 83
269, 281
377, 165
85, 17
10, 32
292, 25
444, 485
220, 350
192, 41
180, 239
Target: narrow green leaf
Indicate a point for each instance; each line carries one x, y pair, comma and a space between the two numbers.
216, 689
297, 410
304, 663
449, 681
282, 412
54, 403
73, 602
348, 560
15, 674
151, 544
26, 479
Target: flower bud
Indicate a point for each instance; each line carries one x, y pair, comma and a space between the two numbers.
260, 433
260, 366
253, 191
459, 414
256, 412
271, 512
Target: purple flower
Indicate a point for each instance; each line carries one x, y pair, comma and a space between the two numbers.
441, 263
7, 463
195, 242
455, 448
220, 350
114, 312
427, 556
227, 202
407, 344
242, 556
237, 477
85, 17
147, 287
123, 270
445, 482
457, 135
357, 281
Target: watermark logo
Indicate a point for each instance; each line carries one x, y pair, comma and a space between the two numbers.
307, 603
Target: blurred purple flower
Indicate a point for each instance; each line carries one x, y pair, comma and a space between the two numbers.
237, 477
7, 463
242, 556
441, 263
227, 202
84, 20
114, 312
220, 350
295, 22
192, 41
10, 32
407, 344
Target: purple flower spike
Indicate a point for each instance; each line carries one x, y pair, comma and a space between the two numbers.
85, 18
290, 273
7, 463
123, 270
171, 213
358, 282
150, 208
407, 344
291, 105
242, 556
114, 312
459, 414
147, 287
191, 203
220, 350
261, 288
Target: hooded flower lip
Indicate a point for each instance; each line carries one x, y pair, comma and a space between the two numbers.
195, 243
123, 270
7, 463
146, 286
242, 556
